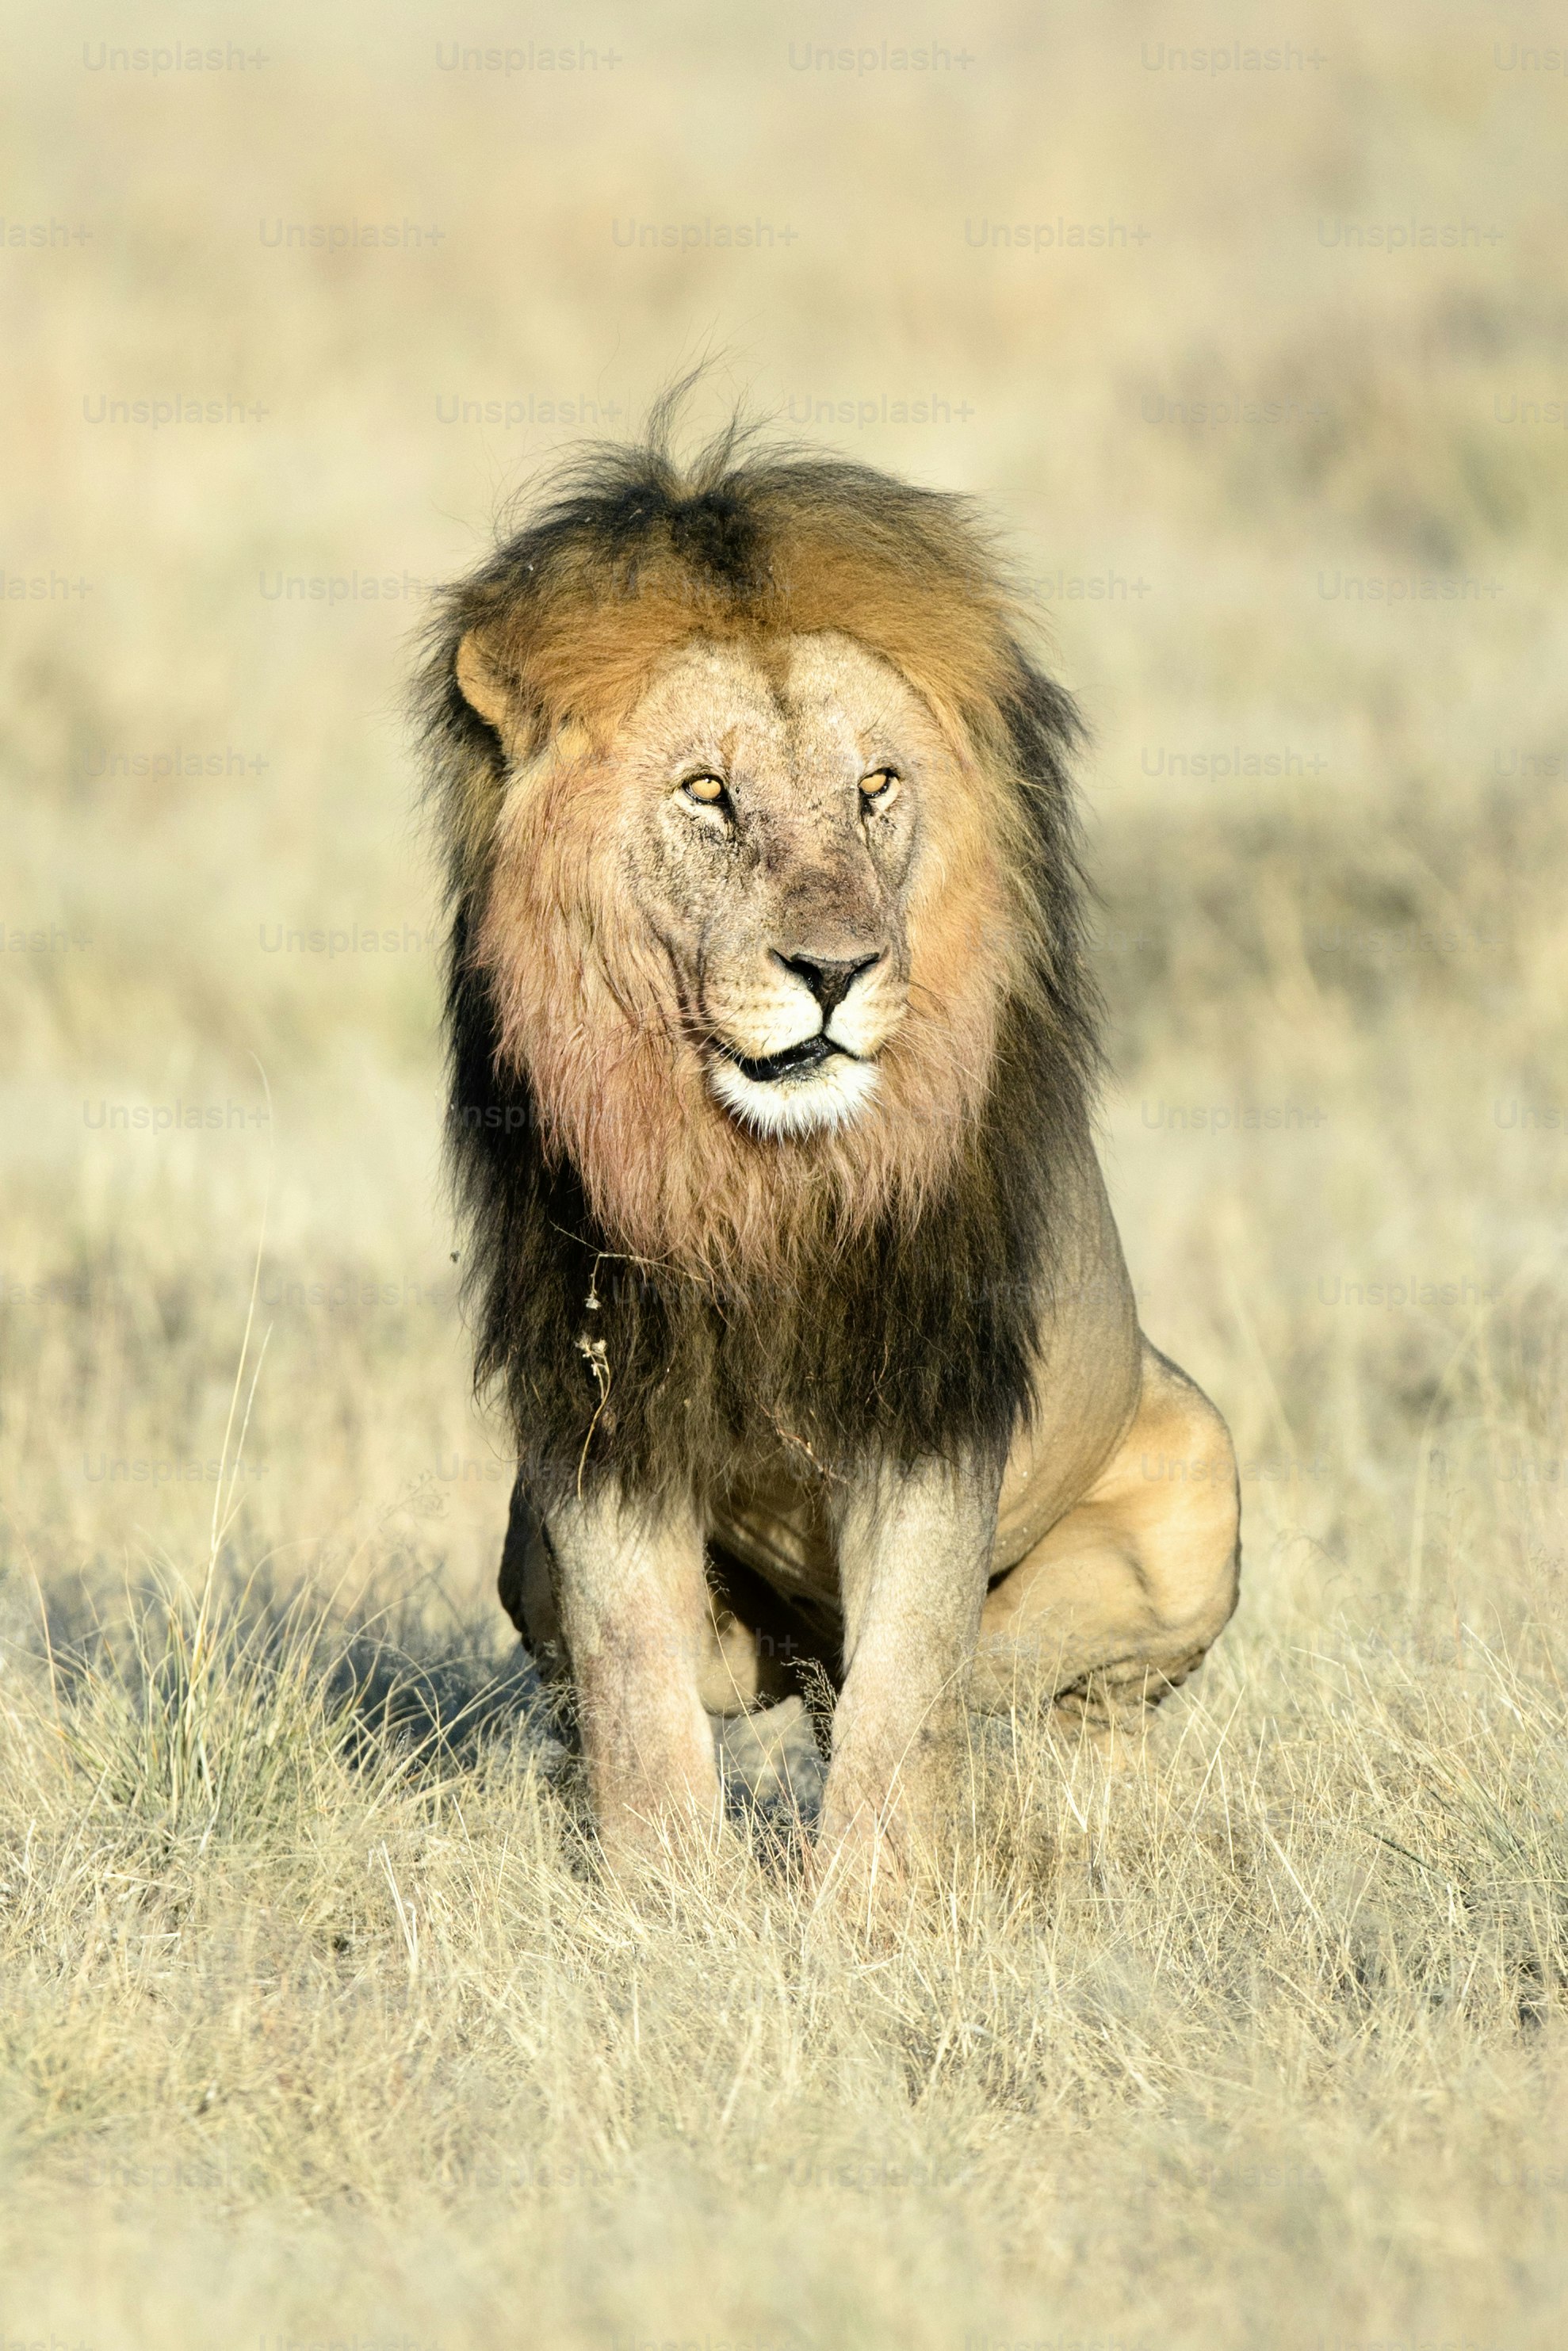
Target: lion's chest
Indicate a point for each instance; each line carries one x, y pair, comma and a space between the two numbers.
780, 1529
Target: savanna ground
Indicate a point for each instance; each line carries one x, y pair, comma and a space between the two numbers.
315, 2021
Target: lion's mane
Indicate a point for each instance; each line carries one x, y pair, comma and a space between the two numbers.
659, 1293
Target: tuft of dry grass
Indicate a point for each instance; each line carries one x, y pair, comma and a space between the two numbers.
317, 2019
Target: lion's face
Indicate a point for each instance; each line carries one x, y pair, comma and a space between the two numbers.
750, 941
770, 828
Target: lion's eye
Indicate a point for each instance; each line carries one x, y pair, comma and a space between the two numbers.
707, 790
880, 790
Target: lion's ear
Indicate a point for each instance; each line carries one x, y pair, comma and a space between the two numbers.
483, 685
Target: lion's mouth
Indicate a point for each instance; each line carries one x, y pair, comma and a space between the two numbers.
794, 1061
807, 1088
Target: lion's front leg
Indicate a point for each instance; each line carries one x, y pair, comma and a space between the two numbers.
633, 1608
914, 1549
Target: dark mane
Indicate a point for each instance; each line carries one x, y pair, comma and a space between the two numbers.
915, 1334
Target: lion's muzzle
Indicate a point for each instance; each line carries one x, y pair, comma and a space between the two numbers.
777, 1080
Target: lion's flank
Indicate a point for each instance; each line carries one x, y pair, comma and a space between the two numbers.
839, 1302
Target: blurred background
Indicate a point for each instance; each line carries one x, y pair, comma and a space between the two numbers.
1253, 334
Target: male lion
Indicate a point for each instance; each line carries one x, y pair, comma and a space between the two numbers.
772, 1056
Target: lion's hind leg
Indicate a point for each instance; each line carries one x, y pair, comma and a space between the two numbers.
1122, 1599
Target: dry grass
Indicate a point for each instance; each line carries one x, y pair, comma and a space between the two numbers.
316, 2020
311, 2030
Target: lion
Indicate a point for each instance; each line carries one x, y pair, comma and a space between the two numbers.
773, 1059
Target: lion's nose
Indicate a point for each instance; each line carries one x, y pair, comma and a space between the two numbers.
830, 978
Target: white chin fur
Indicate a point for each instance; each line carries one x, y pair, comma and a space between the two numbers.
830, 1097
